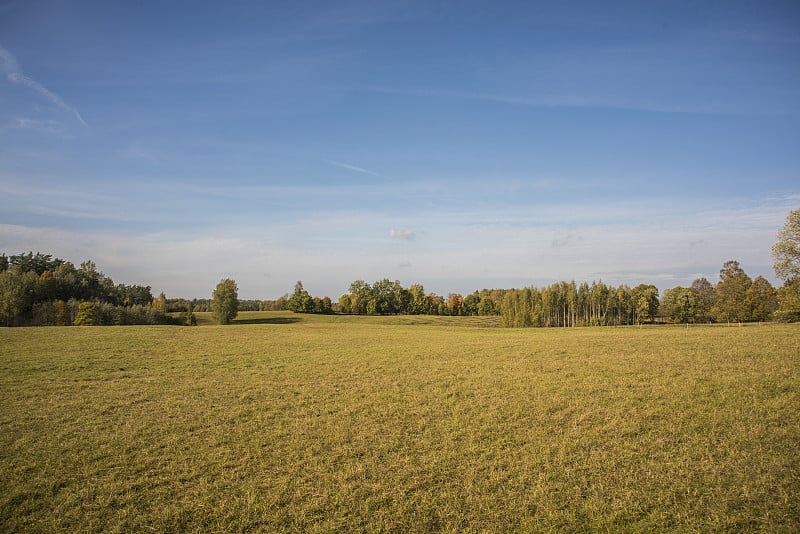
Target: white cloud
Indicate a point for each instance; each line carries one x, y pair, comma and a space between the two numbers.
327, 251
408, 235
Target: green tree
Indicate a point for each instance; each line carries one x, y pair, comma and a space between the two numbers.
360, 295
679, 305
17, 294
300, 301
345, 304
645, 302
762, 300
486, 306
730, 294
789, 301
703, 298
470, 304
189, 319
225, 301
418, 304
383, 299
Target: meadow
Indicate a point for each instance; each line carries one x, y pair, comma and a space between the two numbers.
284, 422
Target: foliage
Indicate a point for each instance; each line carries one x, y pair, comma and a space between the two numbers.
189, 318
789, 301
225, 301
730, 294
566, 304
786, 252
86, 314
17, 295
679, 305
31, 285
761, 300
703, 293
300, 301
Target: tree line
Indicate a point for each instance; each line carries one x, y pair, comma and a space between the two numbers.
736, 298
40, 290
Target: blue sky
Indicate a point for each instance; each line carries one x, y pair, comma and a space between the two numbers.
461, 145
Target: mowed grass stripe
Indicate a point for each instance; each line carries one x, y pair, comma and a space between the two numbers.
366, 424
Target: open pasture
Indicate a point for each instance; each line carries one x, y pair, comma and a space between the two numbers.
286, 423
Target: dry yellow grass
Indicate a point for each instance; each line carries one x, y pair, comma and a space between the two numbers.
350, 423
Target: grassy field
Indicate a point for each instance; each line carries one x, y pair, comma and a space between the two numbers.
285, 423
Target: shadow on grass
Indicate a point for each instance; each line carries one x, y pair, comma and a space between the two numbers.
268, 320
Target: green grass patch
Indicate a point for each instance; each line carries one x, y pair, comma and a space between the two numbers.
282, 422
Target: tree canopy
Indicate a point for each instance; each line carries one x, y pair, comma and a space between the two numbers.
786, 252
225, 301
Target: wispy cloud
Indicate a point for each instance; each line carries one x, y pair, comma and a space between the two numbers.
536, 101
408, 235
353, 168
8, 61
14, 73
138, 153
49, 126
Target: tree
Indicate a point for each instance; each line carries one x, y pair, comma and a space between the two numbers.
703, 299
345, 305
190, 319
383, 298
225, 301
17, 291
160, 303
300, 301
679, 305
761, 299
789, 301
786, 252
486, 306
470, 304
360, 295
730, 295
418, 304
86, 314
645, 302
454, 303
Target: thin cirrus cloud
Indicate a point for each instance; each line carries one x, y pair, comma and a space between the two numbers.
353, 168
14, 74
